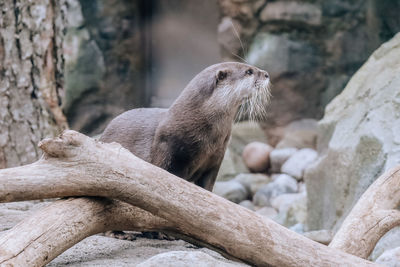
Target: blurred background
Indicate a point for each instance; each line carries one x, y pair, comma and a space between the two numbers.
127, 54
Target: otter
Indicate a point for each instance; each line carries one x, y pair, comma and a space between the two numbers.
190, 138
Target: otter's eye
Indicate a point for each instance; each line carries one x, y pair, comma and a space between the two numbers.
249, 72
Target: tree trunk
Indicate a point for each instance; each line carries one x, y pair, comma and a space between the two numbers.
31, 81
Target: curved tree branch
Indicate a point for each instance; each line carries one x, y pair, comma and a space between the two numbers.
55, 228
373, 216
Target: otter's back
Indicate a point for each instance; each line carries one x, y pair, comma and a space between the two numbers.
134, 130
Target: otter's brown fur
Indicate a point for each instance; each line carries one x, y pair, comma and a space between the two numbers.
190, 138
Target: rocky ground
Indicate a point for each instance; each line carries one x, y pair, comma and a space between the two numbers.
271, 184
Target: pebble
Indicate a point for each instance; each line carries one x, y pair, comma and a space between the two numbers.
256, 156
231, 190
279, 156
298, 162
252, 181
281, 185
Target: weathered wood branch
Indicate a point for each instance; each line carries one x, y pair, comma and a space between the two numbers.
373, 216
75, 165
43, 236
52, 230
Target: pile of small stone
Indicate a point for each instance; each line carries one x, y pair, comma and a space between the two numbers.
274, 187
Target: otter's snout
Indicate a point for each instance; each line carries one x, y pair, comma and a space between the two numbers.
263, 74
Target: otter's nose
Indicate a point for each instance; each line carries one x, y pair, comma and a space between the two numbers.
266, 74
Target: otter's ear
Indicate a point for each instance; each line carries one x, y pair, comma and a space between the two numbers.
221, 75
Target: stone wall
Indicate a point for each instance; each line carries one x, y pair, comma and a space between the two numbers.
310, 47
106, 52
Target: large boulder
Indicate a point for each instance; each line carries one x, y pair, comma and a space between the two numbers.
358, 138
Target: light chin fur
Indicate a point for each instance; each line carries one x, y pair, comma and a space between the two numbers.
254, 106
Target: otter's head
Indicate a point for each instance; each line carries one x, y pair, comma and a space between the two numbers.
240, 81
244, 86
226, 87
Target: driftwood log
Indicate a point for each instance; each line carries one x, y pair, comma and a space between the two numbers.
373, 216
130, 194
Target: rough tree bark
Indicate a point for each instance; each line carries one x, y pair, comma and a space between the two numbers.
75, 165
31, 65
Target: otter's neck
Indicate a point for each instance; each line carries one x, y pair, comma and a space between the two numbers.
200, 121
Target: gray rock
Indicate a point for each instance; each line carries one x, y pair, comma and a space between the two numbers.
231, 190
298, 228
389, 241
275, 176
226, 34
242, 134
296, 12
103, 251
263, 195
297, 212
247, 204
281, 185
252, 181
390, 258
278, 54
256, 156
284, 201
267, 212
298, 162
13, 213
358, 139
183, 259
104, 64
279, 156
230, 167
302, 187
320, 236
286, 181
300, 134
246, 132
292, 208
